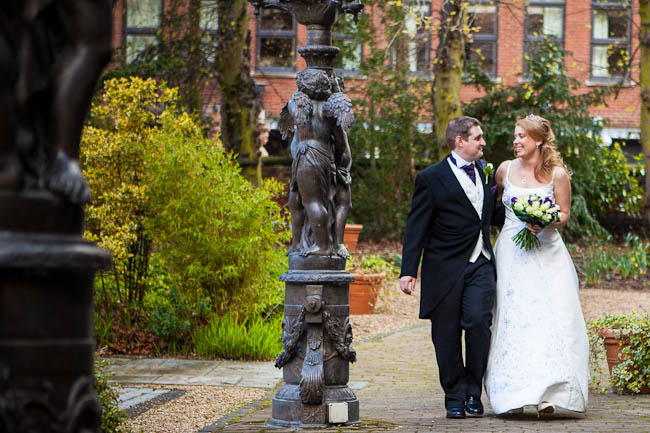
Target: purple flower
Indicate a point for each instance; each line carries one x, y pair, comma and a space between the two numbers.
513, 200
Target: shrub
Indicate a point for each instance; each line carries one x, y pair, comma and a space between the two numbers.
113, 149
160, 185
113, 418
365, 263
628, 261
601, 180
385, 139
229, 337
633, 370
219, 235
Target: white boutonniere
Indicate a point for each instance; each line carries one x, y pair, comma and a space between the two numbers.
488, 169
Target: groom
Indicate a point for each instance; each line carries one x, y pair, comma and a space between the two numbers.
449, 225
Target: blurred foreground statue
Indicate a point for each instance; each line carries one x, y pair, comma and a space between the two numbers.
316, 330
52, 52
51, 55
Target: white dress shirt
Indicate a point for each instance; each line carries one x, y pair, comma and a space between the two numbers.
475, 194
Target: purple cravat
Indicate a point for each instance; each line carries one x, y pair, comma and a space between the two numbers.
469, 169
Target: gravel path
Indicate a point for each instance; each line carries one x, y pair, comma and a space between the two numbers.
198, 407
394, 311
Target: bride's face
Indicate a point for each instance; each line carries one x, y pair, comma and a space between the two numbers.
524, 143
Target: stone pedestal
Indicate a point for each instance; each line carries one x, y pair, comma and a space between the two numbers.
317, 332
46, 316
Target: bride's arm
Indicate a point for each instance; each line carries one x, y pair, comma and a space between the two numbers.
562, 189
500, 177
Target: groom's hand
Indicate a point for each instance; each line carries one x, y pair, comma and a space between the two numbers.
407, 284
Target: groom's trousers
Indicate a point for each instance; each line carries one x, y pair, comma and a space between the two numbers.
468, 307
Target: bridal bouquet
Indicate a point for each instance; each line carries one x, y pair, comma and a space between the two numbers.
533, 209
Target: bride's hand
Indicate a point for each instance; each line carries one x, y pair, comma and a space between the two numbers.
534, 229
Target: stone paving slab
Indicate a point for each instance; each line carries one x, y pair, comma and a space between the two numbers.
130, 397
402, 394
193, 372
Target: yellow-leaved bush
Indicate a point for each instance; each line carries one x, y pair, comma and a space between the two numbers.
160, 187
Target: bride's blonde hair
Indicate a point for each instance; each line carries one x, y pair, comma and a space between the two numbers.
539, 129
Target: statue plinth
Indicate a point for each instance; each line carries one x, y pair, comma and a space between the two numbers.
316, 331
317, 336
46, 314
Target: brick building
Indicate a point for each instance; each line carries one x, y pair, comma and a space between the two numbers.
596, 34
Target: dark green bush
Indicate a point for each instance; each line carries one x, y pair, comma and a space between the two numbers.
601, 180
113, 419
385, 139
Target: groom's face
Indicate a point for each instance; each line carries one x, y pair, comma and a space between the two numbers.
472, 148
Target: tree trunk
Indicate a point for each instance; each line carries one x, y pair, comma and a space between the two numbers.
239, 99
194, 82
644, 40
448, 69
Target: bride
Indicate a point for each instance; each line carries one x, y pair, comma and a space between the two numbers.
539, 349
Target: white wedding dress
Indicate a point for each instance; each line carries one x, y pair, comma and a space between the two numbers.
539, 349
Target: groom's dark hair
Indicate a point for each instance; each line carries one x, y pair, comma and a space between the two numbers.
459, 126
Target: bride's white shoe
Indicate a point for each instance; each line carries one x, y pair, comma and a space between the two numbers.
545, 408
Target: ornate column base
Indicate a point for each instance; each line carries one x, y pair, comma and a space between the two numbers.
316, 339
46, 316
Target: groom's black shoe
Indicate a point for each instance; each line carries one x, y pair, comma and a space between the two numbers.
456, 412
473, 406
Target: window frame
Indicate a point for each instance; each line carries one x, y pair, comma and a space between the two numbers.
275, 34
138, 31
208, 35
609, 5
418, 38
491, 38
529, 40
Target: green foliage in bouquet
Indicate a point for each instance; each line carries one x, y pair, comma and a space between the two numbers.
633, 370
601, 181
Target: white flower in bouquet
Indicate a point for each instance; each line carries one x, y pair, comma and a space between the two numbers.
535, 210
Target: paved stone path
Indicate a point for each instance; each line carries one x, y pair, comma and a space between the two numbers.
401, 393
169, 371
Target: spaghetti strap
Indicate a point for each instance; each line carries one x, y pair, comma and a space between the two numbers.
553, 175
508, 171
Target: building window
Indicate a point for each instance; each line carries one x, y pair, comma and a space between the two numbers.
209, 27
349, 59
544, 19
276, 41
610, 38
142, 21
417, 47
483, 49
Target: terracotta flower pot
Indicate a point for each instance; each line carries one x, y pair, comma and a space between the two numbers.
351, 236
613, 347
364, 291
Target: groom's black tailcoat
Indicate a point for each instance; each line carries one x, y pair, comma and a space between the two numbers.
443, 228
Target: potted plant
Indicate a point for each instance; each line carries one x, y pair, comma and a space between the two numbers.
369, 271
626, 340
351, 236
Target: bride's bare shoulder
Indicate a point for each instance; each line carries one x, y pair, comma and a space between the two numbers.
503, 166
